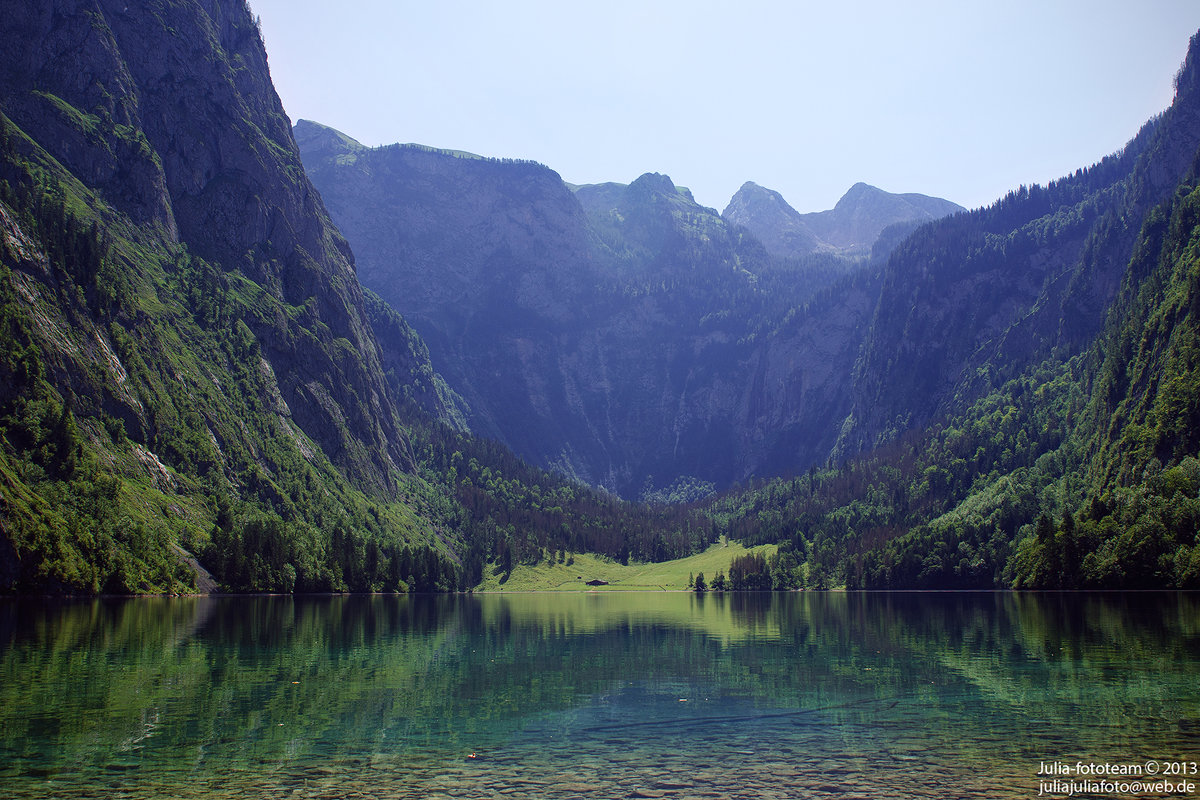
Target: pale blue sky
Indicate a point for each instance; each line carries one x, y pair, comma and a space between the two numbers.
962, 100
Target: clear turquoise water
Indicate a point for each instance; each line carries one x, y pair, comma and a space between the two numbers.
592, 695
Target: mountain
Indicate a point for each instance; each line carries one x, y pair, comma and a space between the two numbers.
851, 227
519, 243
619, 333
195, 386
765, 398
603, 331
183, 321
195, 390
939, 399
777, 225
972, 299
1024, 403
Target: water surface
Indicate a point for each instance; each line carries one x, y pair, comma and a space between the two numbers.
595, 695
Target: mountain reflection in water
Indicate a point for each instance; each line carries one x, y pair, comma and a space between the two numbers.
602, 694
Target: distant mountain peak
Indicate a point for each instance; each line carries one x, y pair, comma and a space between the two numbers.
320, 139
751, 194
655, 182
924, 206
768, 216
850, 227
858, 192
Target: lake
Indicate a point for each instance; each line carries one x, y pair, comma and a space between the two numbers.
604, 694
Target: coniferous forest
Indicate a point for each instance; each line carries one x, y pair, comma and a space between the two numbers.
197, 391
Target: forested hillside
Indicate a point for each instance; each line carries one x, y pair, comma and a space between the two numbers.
193, 380
1060, 390
188, 365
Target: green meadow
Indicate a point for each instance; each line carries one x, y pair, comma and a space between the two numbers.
664, 576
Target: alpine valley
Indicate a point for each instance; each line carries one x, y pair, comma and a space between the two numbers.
241, 356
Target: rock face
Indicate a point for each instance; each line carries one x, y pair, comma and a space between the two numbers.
626, 335
768, 216
492, 298
851, 227
608, 332
177, 299
172, 119
619, 333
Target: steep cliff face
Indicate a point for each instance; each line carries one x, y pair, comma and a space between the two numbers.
628, 336
183, 324
65, 77
798, 400
168, 112
605, 331
488, 261
704, 393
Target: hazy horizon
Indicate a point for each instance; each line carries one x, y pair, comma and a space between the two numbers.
951, 100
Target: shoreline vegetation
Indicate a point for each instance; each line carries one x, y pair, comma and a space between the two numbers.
675, 575
588, 573
197, 391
